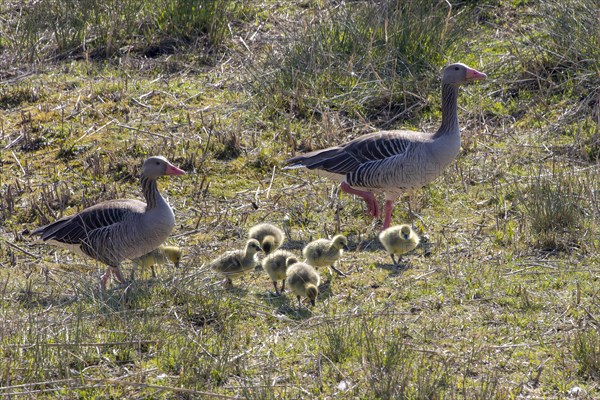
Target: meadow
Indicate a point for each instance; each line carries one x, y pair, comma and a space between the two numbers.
500, 301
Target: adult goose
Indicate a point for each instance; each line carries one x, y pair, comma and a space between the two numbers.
398, 161
115, 230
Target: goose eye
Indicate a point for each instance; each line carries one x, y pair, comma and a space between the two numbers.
456, 68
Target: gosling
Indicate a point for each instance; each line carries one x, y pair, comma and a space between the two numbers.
158, 256
276, 265
268, 235
399, 239
303, 280
235, 263
325, 252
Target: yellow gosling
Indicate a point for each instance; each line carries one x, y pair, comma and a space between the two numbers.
276, 265
303, 280
157, 257
325, 252
399, 240
268, 235
235, 263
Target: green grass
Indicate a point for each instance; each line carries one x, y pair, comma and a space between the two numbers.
500, 301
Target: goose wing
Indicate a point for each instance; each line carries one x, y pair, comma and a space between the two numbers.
350, 156
77, 229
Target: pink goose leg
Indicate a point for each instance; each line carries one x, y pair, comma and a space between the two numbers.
368, 197
388, 208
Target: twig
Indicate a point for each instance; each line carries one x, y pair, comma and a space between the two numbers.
18, 163
270, 183
22, 250
142, 131
96, 131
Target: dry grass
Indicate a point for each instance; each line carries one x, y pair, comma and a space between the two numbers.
500, 301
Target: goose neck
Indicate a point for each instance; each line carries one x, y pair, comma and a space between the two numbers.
449, 113
150, 190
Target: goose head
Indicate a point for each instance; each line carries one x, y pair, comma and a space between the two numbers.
458, 74
157, 166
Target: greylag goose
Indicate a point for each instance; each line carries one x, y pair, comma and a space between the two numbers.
115, 230
398, 161
269, 236
303, 280
158, 256
276, 265
236, 262
325, 252
399, 239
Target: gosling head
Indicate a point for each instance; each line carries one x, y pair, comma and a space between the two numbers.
291, 260
340, 242
405, 232
268, 244
253, 247
173, 253
312, 292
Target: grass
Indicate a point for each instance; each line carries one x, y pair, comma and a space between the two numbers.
500, 301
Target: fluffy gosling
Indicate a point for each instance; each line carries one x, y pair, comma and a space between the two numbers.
276, 265
158, 256
399, 239
236, 262
325, 252
303, 280
268, 235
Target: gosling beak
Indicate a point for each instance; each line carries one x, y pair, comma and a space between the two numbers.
346, 247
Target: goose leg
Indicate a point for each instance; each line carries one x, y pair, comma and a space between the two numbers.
117, 272
388, 208
340, 273
105, 277
368, 197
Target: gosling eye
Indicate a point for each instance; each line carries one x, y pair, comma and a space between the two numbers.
456, 68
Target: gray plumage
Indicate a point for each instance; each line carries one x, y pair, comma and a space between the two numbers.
115, 230
398, 161
276, 265
235, 263
325, 252
268, 235
399, 240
